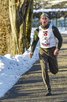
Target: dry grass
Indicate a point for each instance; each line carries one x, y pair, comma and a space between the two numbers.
4, 27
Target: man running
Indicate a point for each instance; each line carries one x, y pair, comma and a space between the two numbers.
47, 33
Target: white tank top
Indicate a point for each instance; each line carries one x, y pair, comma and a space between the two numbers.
46, 37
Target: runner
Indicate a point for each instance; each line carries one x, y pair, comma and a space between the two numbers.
47, 33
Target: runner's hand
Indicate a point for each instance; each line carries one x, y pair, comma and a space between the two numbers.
56, 51
31, 54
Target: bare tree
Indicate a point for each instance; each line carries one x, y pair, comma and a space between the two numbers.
20, 12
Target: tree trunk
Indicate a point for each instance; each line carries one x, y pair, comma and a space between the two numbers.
28, 23
19, 11
22, 33
14, 33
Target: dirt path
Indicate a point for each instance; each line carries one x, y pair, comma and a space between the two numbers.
30, 87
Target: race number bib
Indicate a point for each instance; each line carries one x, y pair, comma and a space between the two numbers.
45, 39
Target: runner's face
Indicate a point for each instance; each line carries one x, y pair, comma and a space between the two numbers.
44, 20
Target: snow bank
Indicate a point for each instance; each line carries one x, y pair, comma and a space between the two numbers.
11, 68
